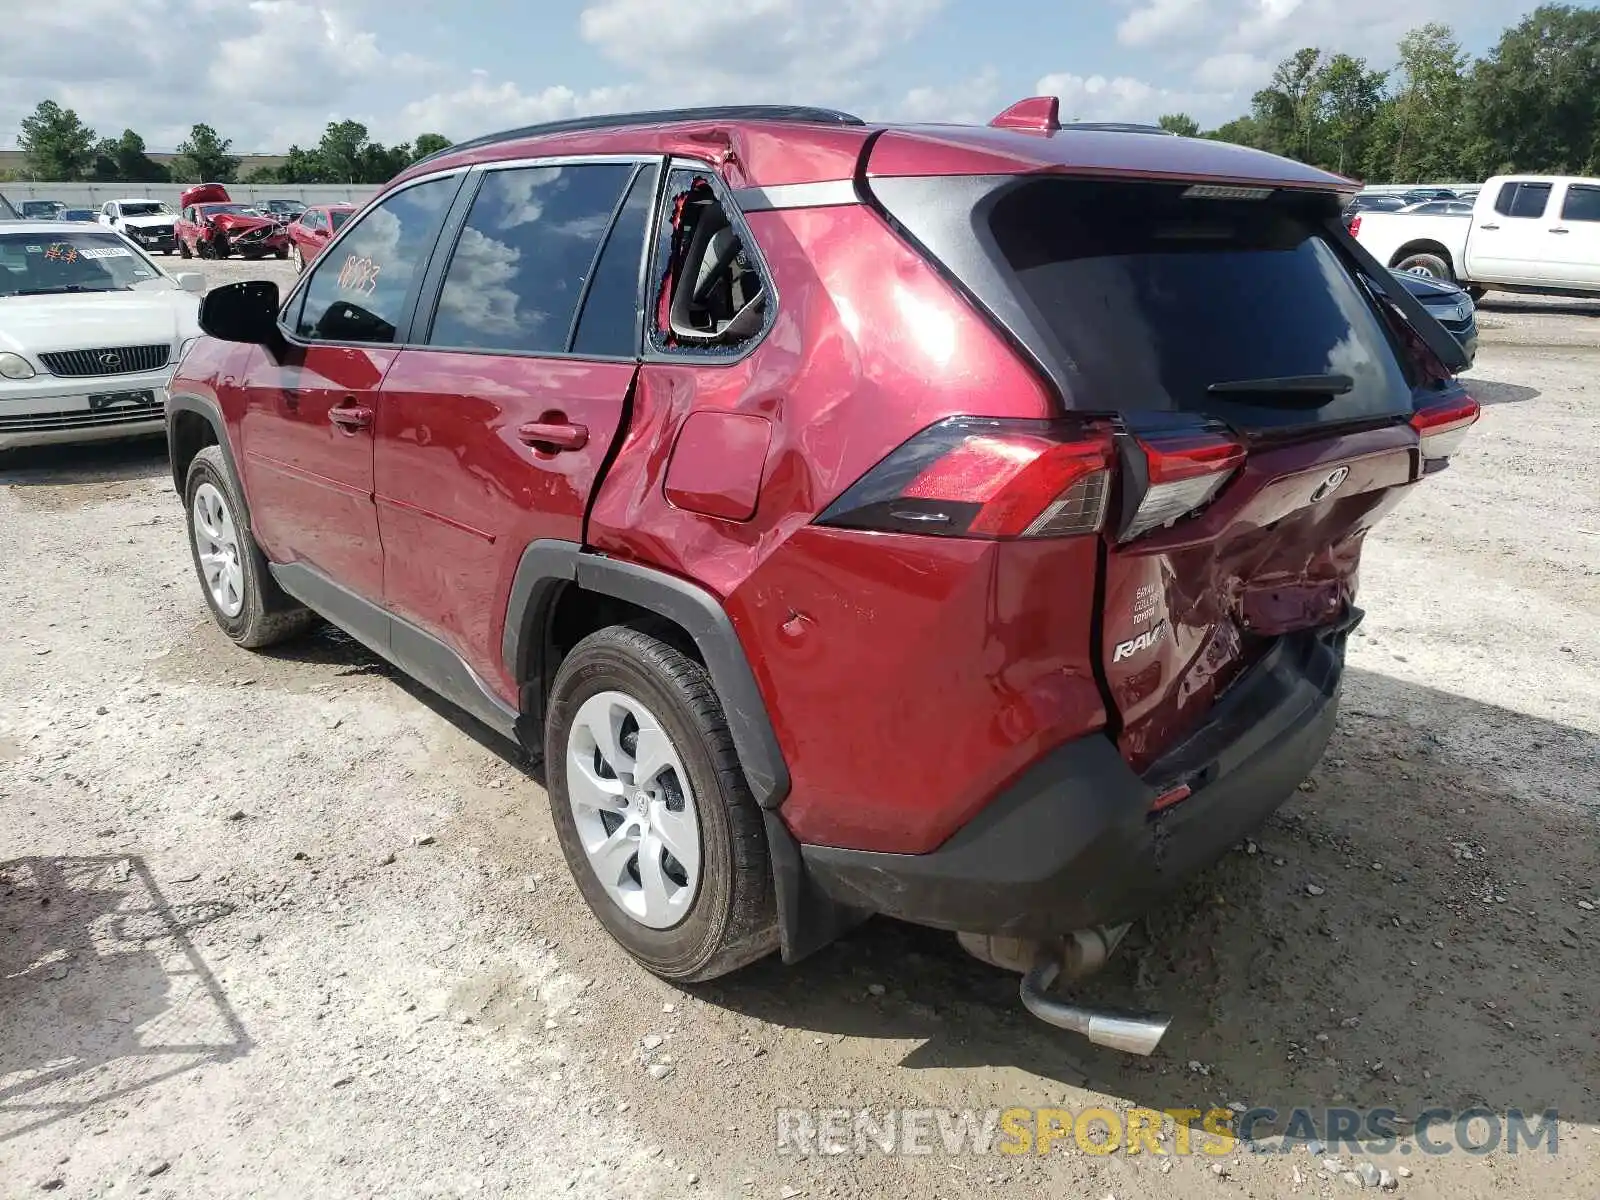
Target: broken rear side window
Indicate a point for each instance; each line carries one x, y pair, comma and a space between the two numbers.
711, 297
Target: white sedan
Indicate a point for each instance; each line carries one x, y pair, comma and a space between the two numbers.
90, 330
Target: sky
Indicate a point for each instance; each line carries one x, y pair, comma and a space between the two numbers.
267, 73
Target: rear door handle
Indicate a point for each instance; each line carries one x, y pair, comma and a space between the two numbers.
351, 417
554, 436
1559, 229
1488, 227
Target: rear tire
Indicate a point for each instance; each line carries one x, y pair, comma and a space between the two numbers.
1423, 262
245, 601
612, 802
1477, 293
183, 250
298, 259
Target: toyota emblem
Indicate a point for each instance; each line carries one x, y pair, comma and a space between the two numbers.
1330, 485
111, 359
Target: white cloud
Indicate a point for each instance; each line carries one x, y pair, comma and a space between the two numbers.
1121, 98
1232, 72
753, 50
1161, 19
971, 101
484, 105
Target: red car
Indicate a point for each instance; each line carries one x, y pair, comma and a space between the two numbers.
959, 523
210, 225
312, 230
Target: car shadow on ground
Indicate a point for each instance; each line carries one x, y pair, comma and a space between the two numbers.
1405, 935
1489, 391
90, 462
102, 990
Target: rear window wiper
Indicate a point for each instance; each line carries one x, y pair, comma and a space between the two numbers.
1288, 385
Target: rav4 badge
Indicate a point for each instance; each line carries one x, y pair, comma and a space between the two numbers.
1144, 641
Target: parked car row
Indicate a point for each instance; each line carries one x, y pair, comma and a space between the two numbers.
872, 520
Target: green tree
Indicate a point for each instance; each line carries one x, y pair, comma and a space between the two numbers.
341, 151
204, 158
1181, 124
1420, 134
1350, 96
58, 146
1287, 108
1242, 131
1535, 99
429, 143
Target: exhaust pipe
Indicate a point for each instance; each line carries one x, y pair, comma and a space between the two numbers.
1133, 1033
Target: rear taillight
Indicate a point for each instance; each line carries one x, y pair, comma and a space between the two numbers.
1355, 225
1442, 427
985, 478
1184, 471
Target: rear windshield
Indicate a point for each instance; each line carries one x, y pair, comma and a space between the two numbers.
1138, 298
1156, 298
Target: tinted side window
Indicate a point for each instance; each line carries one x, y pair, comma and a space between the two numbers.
527, 248
1522, 199
360, 294
609, 324
1582, 203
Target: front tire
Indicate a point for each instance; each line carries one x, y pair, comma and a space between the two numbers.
183, 249
245, 601
652, 809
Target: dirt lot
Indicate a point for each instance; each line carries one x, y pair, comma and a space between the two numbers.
285, 925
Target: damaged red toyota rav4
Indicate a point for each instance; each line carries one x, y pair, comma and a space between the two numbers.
958, 524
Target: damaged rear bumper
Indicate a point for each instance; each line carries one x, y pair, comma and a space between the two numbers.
1073, 843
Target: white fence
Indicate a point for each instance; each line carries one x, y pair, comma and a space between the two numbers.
93, 195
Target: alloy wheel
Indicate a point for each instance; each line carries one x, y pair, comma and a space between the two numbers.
634, 809
217, 543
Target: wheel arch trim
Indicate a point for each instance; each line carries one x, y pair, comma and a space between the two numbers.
548, 564
209, 411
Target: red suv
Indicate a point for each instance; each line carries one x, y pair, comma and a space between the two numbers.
210, 225
310, 232
960, 524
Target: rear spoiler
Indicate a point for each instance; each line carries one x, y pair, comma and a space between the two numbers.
1428, 329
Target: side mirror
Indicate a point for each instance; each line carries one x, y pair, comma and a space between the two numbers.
242, 312
191, 281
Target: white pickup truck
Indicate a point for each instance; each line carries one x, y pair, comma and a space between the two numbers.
1527, 233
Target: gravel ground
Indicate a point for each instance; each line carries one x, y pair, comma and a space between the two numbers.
285, 925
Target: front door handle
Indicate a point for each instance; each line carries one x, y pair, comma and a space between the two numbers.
553, 436
350, 417
1559, 229
1488, 227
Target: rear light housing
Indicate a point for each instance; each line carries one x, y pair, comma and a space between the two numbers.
1182, 471
1355, 225
1442, 427
980, 477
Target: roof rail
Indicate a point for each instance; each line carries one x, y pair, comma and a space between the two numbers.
663, 116
1118, 127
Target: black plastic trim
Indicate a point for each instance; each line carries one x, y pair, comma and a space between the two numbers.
415, 651
1073, 843
546, 564
807, 918
201, 406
